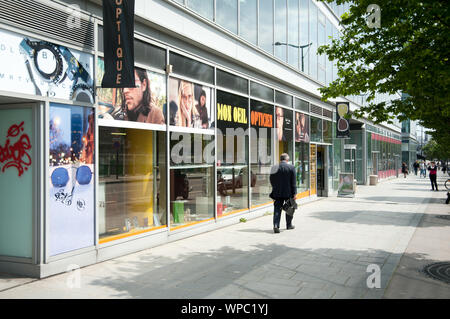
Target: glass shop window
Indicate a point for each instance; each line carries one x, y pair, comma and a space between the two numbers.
132, 182
191, 179
232, 153
261, 143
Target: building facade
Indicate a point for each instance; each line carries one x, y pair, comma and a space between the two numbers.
222, 89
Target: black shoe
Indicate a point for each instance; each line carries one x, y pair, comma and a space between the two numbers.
276, 230
290, 227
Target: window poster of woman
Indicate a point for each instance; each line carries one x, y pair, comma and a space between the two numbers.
301, 127
190, 104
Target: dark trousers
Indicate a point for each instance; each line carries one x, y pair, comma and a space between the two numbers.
433, 182
278, 204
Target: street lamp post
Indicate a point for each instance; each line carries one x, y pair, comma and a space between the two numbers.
301, 47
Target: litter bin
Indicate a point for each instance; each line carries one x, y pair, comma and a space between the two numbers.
373, 179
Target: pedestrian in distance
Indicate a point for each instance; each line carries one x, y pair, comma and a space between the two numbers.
423, 169
444, 167
416, 167
433, 171
284, 187
404, 169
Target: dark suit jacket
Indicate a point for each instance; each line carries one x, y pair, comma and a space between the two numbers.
283, 181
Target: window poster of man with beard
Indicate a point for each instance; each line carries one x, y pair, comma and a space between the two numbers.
143, 103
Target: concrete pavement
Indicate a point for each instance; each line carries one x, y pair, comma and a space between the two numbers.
392, 226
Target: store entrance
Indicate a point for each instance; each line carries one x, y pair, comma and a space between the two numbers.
321, 171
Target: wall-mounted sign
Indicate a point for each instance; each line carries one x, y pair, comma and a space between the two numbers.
30, 66
71, 178
342, 125
118, 41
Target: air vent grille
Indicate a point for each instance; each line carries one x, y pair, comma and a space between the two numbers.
328, 113
47, 20
316, 109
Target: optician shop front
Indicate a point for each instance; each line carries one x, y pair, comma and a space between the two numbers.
88, 174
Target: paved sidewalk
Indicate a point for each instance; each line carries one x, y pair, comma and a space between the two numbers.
325, 256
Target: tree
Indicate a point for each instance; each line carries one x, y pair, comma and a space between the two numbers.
408, 53
434, 150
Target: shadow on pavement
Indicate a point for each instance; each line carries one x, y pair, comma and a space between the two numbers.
266, 271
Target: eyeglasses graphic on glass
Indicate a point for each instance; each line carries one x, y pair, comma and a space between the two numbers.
60, 176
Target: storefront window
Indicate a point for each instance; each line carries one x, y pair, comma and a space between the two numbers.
284, 132
190, 104
191, 178
302, 151
262, 123
283, 99
132, 182
232, 153
302, 166
261, 91
191, 68
327, 131
316, 129
232, 82
301, 105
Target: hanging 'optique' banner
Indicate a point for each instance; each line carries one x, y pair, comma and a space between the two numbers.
118, 41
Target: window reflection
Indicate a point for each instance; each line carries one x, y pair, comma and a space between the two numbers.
304, 35
248, 20
293, 53
202, 7
302, 166
261, 144
313, 39
226, 14
280, 29
266, 25
132, 179
191, 178
232, 154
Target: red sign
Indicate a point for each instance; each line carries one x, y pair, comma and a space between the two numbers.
14, 153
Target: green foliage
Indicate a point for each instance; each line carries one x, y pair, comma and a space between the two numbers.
409, 53
243, 220
436, 151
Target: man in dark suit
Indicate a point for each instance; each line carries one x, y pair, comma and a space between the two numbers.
284, 186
